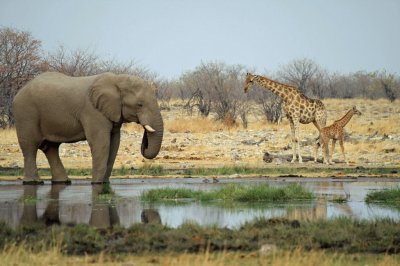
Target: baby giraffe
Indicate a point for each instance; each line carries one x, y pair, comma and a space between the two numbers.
334, 132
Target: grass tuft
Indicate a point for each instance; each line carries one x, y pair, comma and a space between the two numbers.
232, 192
389, 197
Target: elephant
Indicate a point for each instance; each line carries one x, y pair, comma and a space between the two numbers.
54, 108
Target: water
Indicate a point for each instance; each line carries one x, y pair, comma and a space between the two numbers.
80, 203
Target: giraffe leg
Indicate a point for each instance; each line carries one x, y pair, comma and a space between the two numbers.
342, 148
332, 149
317, 145
292, 127
298, 142
325, 151
295, 141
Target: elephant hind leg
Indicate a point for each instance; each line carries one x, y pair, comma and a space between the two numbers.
58, 173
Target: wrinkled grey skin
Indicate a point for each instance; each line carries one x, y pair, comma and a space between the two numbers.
54, 108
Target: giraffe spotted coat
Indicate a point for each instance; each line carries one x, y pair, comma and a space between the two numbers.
298, 108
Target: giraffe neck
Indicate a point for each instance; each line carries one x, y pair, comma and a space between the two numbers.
279, 89
345, 119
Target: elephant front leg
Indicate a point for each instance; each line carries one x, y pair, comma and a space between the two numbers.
114, 145
100, 147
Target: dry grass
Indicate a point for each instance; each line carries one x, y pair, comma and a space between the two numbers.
193, 141
8, 136
20, 255
379, 116
193, 125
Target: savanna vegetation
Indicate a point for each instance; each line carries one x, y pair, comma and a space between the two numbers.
203, 109
212, 87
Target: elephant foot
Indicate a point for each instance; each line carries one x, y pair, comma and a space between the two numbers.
66, 182
32, 182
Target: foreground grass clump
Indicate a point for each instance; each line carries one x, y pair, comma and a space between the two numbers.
232, 192
388, 197
20, 255
339, 235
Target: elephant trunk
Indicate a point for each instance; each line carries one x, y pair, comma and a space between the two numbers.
151, 142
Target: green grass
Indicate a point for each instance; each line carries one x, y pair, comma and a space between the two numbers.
390, 197
231, 192
29, 199
158, 170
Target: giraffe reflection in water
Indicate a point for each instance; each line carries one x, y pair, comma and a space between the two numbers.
320, 208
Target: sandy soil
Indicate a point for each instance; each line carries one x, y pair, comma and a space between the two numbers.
373, 139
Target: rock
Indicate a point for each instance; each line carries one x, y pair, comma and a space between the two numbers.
389, 150
253, 142
277, 161
267, 249
173, 140
234, 176
268, 157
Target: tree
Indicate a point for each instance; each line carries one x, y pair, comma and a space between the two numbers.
20, 61
84, 62
217, 87
73, 63
384, 85
299, 73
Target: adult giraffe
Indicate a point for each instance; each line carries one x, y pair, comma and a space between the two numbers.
298, 108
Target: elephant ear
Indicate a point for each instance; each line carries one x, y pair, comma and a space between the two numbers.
106, 96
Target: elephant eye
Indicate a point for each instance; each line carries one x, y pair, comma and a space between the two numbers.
140, 105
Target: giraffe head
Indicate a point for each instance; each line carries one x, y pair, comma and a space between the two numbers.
248, 81
356, 111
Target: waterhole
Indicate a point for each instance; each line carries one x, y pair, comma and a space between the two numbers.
82, 202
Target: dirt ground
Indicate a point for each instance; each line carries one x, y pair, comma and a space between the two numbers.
372, 140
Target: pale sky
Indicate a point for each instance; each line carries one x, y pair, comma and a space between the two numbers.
173, 36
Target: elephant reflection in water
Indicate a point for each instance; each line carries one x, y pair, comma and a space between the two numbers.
106, 215
103, 213
150, 216
51, 214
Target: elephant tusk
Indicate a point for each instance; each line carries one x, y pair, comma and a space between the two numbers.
149, 128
